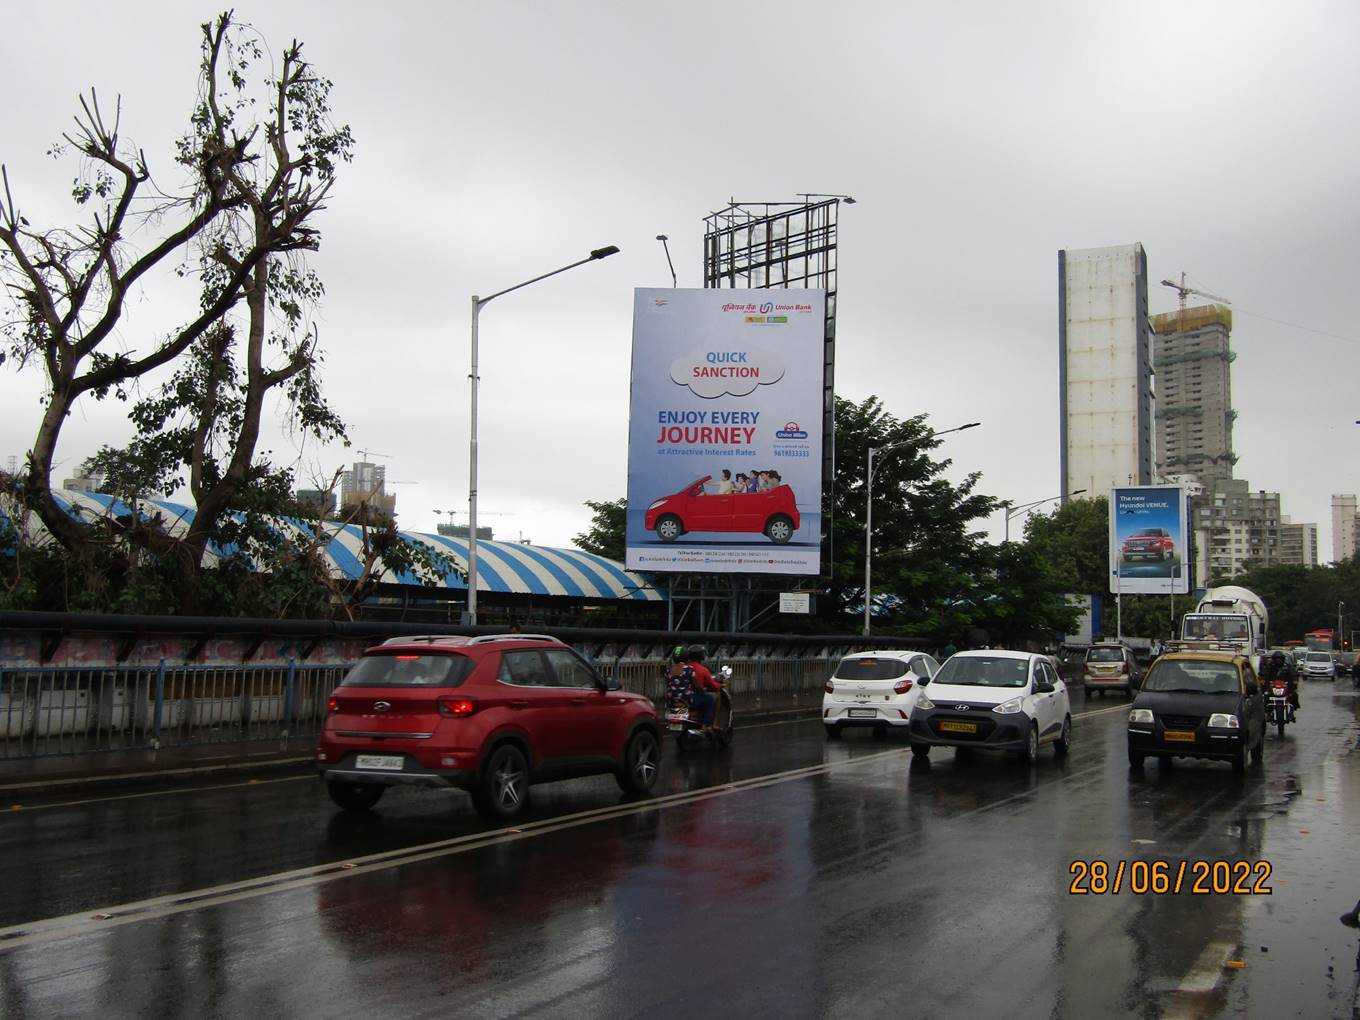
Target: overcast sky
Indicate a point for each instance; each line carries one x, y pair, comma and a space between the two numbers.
497, 141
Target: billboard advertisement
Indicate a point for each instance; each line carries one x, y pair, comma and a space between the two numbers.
1148, 550
725, 431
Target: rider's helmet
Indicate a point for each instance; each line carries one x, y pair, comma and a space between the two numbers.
695, 653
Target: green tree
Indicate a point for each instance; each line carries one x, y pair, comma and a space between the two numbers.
608, 527
1074, 540
1027, 602
931, 568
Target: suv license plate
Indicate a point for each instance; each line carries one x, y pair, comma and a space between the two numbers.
382, 762
863, 713
1180, 736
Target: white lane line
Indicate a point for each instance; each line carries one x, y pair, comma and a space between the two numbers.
161, 906
85, 922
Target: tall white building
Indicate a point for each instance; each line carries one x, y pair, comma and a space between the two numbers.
1104, 369
1343, 526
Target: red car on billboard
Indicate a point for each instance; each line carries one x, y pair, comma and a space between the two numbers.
772, 513
1149, 544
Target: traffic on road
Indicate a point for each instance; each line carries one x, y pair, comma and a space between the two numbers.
786, 874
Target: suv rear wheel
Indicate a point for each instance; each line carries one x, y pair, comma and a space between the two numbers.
503, 790
638, 774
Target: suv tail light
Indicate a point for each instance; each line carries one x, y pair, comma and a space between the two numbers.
333, 705
831, 687
1125, 669
455, 707
903, 685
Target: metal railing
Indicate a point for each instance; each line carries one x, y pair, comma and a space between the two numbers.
75, 710
72, 710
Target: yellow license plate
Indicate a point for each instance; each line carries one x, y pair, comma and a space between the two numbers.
1180, 735
958, 727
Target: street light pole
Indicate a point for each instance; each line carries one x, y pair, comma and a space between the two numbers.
477, 303
1011, 511
869, 507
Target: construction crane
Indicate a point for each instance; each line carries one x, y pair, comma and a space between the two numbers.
1185, 291
369, 453
480, 513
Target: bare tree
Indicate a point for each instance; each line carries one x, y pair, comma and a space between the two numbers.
257, 181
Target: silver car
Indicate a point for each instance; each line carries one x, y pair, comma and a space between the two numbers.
1319, 666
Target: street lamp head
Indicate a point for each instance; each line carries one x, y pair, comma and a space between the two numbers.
659, 237
605, 252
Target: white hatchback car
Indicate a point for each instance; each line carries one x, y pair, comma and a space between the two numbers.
1002, 700
876, 689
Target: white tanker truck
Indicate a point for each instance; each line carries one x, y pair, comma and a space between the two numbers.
1230, 616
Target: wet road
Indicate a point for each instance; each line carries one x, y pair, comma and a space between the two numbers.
788, 876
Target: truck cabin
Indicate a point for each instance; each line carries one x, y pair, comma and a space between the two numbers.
1216, 627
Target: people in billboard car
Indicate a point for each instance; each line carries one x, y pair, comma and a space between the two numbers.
725, 487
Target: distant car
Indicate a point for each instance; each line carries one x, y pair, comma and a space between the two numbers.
995, 699
1198, 704
1111, 666
1319, 666
491, 715
773, 513
875, 689
1149, 544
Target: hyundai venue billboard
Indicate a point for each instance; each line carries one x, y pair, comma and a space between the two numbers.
724, 435
1148, 551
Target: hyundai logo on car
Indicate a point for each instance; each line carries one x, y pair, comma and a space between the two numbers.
381, 706
962, 708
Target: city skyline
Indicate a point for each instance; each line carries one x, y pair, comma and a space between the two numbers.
525, 153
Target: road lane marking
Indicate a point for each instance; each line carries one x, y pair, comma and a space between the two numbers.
84, 922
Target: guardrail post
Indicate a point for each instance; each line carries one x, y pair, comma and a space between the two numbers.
160, 705
288, 696
760, 675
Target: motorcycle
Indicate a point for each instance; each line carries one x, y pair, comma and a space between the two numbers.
1278, 708
685, 720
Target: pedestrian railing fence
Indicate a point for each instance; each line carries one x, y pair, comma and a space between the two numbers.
77, 710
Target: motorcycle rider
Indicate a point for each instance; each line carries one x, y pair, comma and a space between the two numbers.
1277, 664
704, 687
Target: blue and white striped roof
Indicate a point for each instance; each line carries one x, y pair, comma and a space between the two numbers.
507, 567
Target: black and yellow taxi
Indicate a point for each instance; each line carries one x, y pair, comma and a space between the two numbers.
1199, 703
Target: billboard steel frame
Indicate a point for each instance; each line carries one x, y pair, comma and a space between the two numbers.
762, 246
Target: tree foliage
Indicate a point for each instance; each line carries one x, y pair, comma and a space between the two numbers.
259, 158
608, 527
930, 568
1074, 540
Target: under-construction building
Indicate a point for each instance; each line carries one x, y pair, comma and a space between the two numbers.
1194, 415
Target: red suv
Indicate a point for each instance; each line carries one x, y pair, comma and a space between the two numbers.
773, 513
1149, 544
491, 715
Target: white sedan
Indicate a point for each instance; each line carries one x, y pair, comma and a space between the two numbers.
995, 699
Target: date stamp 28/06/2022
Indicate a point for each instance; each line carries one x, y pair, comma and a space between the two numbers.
1159, 878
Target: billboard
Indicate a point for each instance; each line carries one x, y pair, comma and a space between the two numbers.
725, 431
1148, 550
